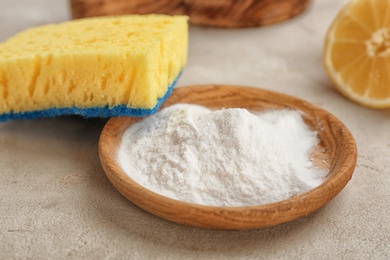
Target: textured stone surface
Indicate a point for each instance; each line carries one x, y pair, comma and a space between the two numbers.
57, 203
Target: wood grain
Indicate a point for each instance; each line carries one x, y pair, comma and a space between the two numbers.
218, 13
336, 152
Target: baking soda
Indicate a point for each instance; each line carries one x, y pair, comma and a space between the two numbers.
228, 157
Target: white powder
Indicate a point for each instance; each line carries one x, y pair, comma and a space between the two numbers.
228, 157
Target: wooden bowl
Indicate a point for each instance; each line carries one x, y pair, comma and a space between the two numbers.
336, 152
216, 13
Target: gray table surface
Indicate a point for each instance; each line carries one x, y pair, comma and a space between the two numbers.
56, 202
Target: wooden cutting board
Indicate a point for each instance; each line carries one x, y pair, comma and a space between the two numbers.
216, 13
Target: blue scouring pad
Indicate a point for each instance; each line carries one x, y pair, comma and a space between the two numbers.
120, 110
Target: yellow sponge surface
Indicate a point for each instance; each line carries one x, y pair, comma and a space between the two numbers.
93, 62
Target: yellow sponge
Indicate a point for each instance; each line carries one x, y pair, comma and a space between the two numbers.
107, 66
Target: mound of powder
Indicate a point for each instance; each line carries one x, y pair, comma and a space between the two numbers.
229, 157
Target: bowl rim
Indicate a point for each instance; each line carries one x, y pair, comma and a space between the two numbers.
233, 218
